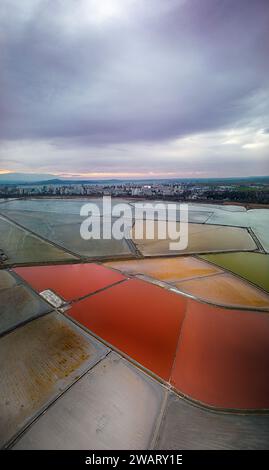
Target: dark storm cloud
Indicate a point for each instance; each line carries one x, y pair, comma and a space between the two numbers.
147, 71
189, 69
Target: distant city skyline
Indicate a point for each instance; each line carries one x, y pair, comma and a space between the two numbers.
100, 89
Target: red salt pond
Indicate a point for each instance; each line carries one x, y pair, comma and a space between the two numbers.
139, 319
70, 281
223, 357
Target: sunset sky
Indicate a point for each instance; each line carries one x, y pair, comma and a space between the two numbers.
135, 88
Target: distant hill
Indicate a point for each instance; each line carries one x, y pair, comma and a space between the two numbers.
15, 178
45, 179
